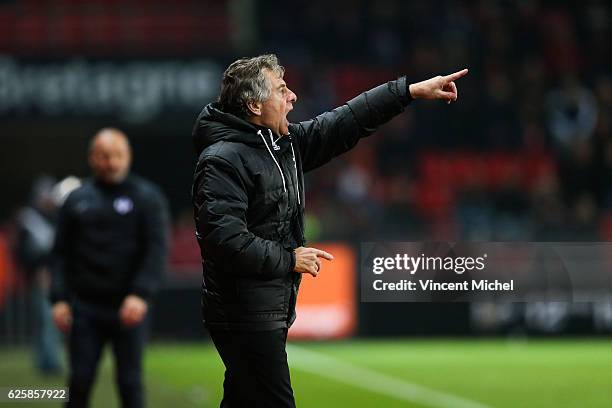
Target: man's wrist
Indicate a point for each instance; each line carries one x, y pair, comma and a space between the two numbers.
411, 91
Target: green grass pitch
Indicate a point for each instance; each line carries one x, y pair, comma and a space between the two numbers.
373, 373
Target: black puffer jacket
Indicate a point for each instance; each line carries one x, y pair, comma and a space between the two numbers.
248, 196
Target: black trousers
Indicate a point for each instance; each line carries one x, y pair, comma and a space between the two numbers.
256, 370
93, 327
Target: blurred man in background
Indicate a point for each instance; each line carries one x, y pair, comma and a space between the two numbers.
36, 224
35, 235
249, 200
108, 259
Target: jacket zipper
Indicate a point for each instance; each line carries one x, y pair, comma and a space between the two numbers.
297, 180
280, 170
274, 158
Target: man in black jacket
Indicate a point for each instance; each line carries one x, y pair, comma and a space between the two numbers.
248, 196
107, 262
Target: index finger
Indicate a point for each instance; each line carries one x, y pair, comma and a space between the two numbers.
456, 75
322, 254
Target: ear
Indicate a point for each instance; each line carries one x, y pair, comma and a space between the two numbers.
254, 108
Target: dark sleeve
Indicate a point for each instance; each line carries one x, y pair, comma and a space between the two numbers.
29, 253
59, 259
333, 133
221, 203
156, 230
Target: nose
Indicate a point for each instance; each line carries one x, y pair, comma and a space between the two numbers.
114, 163
292, 96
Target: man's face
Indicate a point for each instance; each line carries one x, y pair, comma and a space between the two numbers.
110, 157
274, 110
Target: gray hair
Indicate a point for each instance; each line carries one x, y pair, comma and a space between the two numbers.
244, 81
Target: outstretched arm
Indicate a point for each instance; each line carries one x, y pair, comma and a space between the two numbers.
337, 131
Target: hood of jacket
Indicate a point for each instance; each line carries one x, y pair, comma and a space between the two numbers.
214, 125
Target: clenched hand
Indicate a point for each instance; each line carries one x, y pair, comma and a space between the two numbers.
132, 310
62, 316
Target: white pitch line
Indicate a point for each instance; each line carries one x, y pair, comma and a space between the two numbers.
341, 371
